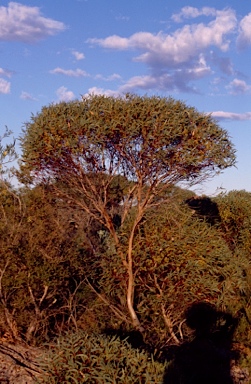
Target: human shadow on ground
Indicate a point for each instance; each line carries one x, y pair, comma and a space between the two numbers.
206, 359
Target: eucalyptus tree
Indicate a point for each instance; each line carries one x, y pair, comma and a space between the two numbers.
84, 148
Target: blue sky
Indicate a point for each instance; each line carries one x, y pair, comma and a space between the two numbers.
199, 52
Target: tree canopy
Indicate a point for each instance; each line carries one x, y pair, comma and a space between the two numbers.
142, 145
147, 139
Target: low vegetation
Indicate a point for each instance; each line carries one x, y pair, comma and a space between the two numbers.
88, 358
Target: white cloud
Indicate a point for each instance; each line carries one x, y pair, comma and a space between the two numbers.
102, 91
64, 95
244, 38
200, 69
175, 61
78, 55
192, 12
177, 79
4, 86
5, 72
113, 42
27, 96
221, 115
147, 82
20, 22
69, 72
177, 48
238, 86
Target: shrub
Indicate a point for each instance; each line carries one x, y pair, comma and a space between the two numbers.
41, 266
180, 259
83, 358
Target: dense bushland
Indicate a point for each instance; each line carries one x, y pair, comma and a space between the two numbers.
100, 240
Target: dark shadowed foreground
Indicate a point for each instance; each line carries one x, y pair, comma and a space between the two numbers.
208, 358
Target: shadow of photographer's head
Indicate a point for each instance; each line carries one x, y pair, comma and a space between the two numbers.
205, 320
201, 317
206, 357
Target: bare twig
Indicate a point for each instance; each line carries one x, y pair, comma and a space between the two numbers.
166, 317
115, 310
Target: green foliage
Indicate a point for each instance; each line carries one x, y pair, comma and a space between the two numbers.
84, 148
183, 261
180, 259
143, 138
105, 239
49, 249
96, 359
235, 213
41, 268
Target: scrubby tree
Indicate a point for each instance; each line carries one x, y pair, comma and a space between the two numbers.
41, 269
8, 200
84, 148
180, 259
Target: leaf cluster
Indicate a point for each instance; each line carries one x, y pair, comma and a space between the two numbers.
90, 358
235, 212
142, 138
